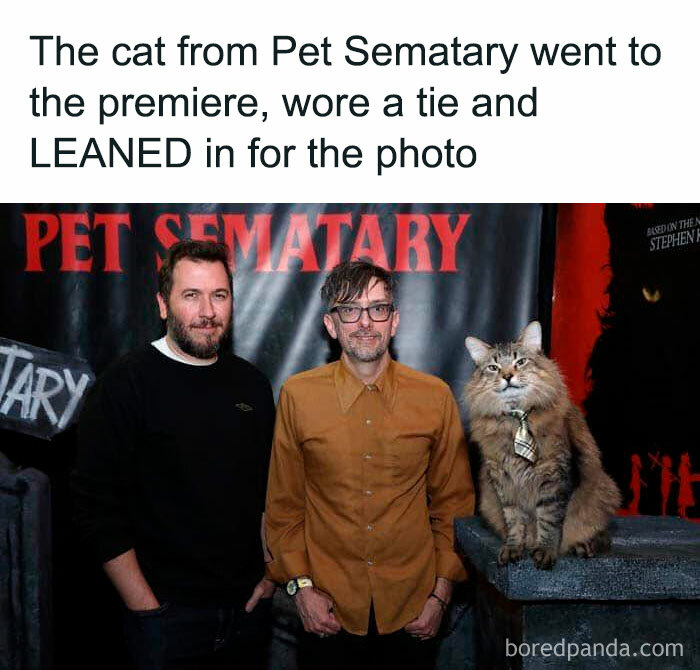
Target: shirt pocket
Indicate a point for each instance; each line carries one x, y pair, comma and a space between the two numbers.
330, 463
409, 459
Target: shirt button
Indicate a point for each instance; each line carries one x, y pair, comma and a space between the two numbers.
368, 457
368, 421
370, 527
371, 387
370, 562
368, 492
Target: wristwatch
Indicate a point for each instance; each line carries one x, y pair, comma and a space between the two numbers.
293, 585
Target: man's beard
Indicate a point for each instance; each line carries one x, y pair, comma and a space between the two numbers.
361, 352
180, 332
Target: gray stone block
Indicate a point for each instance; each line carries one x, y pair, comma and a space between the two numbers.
651, 558
25, 570
646, 590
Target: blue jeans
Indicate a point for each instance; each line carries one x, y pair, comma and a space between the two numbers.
177, 637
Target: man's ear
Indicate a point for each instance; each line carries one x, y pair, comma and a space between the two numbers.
395, 318
162, 306
330, 326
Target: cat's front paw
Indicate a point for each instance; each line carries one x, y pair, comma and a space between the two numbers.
598, 544
583, 549
509, 555
544, 557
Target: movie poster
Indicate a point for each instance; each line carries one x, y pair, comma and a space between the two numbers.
626, 296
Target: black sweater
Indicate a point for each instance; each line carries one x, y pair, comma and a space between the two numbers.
172, 461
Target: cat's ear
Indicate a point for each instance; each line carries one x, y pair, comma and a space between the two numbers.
531, 337
477, 349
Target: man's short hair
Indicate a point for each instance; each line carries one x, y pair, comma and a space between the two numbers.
349, 280
194, 250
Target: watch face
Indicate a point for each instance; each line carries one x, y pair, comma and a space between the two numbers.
292, 587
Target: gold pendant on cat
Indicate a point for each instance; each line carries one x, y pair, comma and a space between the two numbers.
524, 443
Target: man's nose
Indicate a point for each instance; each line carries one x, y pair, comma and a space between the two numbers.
206, 307
365, 321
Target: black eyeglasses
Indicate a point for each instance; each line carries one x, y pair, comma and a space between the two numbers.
352, 313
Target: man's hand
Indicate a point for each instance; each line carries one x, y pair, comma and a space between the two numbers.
428, 622
316, 611
263, 589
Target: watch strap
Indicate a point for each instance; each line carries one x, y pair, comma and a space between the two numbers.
297, 583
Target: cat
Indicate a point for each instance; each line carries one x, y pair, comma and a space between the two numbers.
543, 487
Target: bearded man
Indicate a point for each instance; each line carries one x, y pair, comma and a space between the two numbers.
174, 444
369, 469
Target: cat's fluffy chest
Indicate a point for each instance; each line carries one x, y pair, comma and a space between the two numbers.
521, 481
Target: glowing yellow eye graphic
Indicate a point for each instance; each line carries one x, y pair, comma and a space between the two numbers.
651, 296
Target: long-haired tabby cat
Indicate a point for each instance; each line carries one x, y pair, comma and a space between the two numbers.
543, 488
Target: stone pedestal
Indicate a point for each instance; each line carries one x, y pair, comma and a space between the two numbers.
604, 612
25, 570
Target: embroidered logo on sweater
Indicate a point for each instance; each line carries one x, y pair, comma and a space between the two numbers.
243, 407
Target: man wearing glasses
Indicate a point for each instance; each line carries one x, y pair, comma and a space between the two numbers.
369, 468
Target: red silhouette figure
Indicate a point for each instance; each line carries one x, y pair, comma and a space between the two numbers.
667, 477
685, 490
636, 483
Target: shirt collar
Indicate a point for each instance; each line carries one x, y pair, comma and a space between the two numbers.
349, 387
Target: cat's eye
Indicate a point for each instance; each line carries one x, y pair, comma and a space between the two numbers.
520, 362
492, 368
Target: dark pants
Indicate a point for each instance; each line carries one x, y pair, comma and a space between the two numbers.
176, 637
346, 651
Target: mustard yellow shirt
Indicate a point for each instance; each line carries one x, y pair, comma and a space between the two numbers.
365, 482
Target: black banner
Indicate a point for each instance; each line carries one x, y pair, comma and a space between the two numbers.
81, 279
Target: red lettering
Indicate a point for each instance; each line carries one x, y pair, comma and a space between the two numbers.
198, 227
235, 229
404, 243
369, 227
35, 241
299, 228
111, 223
333, 223
449, 238
163, 233
72, 240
